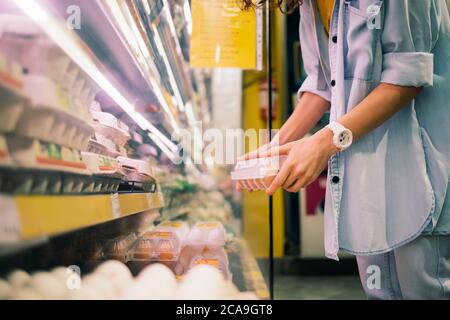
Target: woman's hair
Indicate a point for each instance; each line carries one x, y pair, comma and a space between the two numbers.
286, 6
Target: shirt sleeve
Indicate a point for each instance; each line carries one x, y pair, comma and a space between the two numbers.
315, 81
410, 31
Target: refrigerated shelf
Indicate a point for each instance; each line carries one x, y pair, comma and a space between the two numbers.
247, 275
27, 217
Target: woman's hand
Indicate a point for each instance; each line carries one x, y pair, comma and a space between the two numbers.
307, 158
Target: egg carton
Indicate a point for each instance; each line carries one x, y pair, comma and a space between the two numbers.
97, 147
110, 127
217, 259
117, 248
156, 245
180, 227
38, 55
44, 118
142, 167
102, 165
209, 235
36, 154
257, 174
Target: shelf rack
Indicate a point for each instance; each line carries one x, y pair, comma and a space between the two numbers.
28, 217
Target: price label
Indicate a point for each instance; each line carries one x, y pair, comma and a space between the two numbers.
115, 204
10, 229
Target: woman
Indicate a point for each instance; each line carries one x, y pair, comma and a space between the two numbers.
382, 68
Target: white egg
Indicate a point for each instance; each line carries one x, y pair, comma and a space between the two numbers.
47, 285
18, 278
136, 291
118, 273
83, 294
203, 282
61, 274
100, 286
5, 289
24, 293
159, 281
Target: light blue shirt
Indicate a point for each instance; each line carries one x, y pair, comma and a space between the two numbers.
390, 186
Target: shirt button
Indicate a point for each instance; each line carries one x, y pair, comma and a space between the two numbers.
333, 83
335, 179
334, 39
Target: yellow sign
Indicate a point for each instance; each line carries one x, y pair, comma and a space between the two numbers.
223, 35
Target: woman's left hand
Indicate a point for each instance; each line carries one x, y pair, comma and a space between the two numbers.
307, 158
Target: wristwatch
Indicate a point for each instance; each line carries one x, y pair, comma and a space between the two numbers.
342, 137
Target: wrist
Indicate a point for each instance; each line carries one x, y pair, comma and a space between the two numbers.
325, 139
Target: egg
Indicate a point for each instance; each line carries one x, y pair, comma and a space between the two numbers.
60, 273
24, 293
5, 289
137, 291
18, 278
159, 281
202, 282
118, 273
47, 285
83, 294
100, 285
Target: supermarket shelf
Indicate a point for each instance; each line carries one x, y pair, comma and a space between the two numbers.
247, 275
28, 217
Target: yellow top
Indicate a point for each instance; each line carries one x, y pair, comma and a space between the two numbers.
326, 11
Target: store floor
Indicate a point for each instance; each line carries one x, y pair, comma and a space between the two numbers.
318, 288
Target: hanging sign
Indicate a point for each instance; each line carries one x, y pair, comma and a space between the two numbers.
223, 35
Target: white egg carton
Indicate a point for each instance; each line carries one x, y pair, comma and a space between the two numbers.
43, 118
181, 228
164, 243
207, 234
142, 167
117, 248
98, 164
215, 258
101, 144
109, 126
35, 154
257, 174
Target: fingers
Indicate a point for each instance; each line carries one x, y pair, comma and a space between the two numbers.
254, 154
302, 182
279, 180
276, 151
290, 180
267, 151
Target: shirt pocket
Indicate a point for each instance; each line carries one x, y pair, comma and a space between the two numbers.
362, 34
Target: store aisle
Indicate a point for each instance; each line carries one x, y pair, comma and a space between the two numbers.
318, 288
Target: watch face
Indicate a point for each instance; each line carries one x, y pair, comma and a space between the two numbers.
344, 139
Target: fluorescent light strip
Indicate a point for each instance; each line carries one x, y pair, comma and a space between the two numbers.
188, 15
65, 41
132, 33
173, 83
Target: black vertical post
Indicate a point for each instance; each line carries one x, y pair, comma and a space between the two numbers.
269, 125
